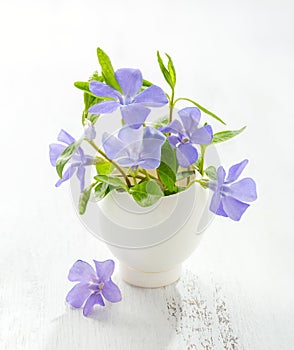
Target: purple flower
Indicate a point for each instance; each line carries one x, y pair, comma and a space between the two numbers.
78, 161
229, 195
185, 134
135, 147
92, 285
132, 103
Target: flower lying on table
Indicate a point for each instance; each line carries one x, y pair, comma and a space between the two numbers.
93, 285
148, 159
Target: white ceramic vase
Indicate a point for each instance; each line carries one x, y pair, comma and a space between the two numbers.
151, 243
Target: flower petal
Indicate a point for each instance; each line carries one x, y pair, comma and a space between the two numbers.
173, 140
221, 174
81, 271
202, 136
113, 146
88, 160
67, 174
150, 154
81, 176
235, 171
186, 154
244, 190
132, 140
127, 134
104, 107
216, 205
55, 150
148, 163
153, 96
93, 299
174, 127
190, 117
234, 208
65, 137
220, 210
154, 135
215, 202
102, 90
104, 269
130, 80
134, 115
111, 292
78, 294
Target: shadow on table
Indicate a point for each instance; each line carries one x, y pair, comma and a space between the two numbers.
141, 321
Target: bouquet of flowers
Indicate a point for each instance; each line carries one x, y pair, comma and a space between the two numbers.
148, 160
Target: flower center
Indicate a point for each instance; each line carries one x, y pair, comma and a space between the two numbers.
185, 139
100, 285
96, 286
127, 100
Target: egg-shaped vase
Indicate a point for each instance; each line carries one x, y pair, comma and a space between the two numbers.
151, 243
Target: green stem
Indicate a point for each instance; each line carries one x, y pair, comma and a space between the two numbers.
171, 105
203, 183
137, 176
192, 182
134, 176
201, 164
148, 176
93, 144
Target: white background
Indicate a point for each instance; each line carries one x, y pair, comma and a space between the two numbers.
235, 58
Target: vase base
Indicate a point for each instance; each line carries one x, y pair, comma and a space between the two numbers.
150, 279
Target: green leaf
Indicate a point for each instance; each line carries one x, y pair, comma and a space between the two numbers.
107, 69
84, 86
84, 199
168, 167
146, 193
103, 166
101, 190
211, 172
168, 156
164, 71
167, 177
184, 174
198, 163
202, 109
171, 69
65, 157
89, 101
111, 180
223, 136
147, 83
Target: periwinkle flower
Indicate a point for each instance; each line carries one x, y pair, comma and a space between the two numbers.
229, 196
135, 147
185, 134
78, 161
134, 105
93, 285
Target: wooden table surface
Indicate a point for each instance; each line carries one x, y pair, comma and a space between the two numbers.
237, 290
